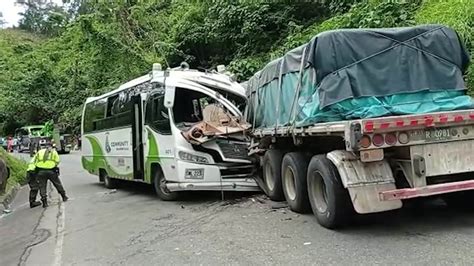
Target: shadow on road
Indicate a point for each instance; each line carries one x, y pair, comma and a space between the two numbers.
429, 216
188, 197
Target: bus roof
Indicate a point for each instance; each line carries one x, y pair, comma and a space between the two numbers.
212, 80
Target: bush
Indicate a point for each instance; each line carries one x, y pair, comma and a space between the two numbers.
367, 14
457, 14
17, 169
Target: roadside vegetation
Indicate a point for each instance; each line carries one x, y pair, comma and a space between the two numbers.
17, 169
60, 55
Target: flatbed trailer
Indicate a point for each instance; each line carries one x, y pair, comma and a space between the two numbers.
373, 163
404, 125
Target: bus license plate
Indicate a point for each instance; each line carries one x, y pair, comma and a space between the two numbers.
194, 174
437, 134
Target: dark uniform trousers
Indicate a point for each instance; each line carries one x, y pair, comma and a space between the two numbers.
49, 174
33, 182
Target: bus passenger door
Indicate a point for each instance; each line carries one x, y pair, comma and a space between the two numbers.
137, 138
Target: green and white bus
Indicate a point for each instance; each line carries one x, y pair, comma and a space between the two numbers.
177, 129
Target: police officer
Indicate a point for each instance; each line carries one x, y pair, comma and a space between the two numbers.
46, 163
33, 183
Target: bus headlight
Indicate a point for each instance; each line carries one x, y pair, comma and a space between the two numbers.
192, 158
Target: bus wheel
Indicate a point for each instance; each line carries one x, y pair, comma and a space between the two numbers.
272, 174
328, 198
162, 191
109, 182
294, 170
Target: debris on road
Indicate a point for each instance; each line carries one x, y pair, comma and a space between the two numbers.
278, 205
307, 243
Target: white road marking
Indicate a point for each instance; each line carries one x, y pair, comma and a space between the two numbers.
58, 250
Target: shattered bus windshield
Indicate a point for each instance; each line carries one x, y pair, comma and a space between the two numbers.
193, 107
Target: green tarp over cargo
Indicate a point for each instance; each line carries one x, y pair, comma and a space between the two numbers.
361, 73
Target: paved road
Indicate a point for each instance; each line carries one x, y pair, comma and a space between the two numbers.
131, 226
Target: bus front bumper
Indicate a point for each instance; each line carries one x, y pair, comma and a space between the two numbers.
248, 184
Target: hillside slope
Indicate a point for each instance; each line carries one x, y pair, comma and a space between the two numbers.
111, 43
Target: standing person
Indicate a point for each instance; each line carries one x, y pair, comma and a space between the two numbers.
33, 183
46, 162
10, 144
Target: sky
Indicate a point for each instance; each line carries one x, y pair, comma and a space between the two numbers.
10, 11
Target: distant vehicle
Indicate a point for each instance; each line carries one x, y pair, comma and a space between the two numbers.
29, 138
177, 129
64, 145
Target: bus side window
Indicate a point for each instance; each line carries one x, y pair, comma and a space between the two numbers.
157, 115
111, 103
94, 112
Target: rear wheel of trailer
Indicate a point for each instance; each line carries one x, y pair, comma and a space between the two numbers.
294, 170
272, 174
329, 199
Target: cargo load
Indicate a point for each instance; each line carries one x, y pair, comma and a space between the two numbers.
361, 73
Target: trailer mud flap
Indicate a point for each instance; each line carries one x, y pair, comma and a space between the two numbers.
365, 181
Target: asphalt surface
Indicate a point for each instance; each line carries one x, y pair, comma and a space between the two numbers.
130, 226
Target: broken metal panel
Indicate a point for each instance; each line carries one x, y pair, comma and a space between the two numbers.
216, 122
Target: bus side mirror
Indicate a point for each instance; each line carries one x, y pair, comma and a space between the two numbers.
169, 96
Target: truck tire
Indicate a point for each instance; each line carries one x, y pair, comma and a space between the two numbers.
294, 169
272, 174
159, 183
329, 200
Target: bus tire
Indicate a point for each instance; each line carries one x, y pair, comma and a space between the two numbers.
329, 200
159, 183
272, 174
294, 169
109, 182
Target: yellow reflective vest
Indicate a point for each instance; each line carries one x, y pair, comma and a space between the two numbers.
46, 159
31, 165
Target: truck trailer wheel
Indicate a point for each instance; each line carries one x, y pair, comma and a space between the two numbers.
159, 183
328, 198
294, 169
272, 174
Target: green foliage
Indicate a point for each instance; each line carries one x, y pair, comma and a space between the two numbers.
93, 46
458, 14
43, 17
367, 14
246, 67
17, 169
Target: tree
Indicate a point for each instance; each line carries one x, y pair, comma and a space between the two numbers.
42, 17
2, 21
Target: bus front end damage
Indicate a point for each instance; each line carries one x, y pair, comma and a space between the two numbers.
221, 135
